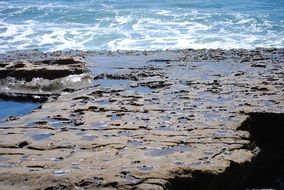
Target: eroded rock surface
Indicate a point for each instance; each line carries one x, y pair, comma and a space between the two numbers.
148, 120
47, 69
37, 80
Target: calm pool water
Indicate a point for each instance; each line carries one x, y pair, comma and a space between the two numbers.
9, 108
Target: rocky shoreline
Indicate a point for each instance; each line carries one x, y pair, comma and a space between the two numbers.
184, 119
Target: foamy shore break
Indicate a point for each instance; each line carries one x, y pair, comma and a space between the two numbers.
185, 119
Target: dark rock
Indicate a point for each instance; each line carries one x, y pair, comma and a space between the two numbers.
48, 69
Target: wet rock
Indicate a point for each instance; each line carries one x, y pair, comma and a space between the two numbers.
12, 118
174, 123
25, 97
155, 84
48, 69
259, 64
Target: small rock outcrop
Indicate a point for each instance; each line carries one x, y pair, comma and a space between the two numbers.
47, 69
29, 80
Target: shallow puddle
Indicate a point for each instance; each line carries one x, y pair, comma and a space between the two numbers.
13, 108
145, 168
24, 158
169, 150
2, 159
4, 165
89, 137
167, 128
60, 172
102, 102
56, 123
41, 136
158, 61
108, 83
99, 125
135, 142
142, 89
131, 179
124, 133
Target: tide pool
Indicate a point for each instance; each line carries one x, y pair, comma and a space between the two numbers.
11, 108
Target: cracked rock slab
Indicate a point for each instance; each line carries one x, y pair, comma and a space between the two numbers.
147, 120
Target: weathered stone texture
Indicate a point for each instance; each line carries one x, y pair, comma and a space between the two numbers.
147, 119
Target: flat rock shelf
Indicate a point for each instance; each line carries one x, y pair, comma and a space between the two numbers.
184, 119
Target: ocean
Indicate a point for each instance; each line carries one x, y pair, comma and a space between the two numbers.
140, 24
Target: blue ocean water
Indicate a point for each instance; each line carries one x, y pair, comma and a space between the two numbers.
140, 24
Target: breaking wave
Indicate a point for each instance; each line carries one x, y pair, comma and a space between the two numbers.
140, 24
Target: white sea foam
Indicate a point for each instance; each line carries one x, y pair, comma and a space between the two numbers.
40, 85
96, 25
